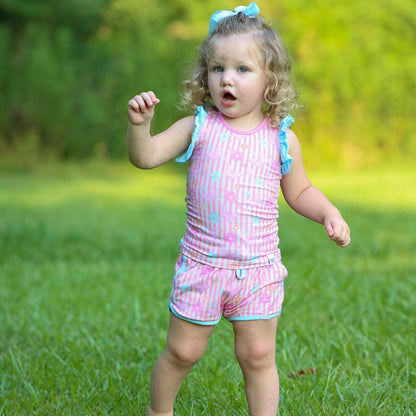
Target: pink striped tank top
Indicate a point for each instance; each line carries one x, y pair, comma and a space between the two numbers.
232, 189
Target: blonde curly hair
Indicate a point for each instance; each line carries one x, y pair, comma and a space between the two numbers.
280, 96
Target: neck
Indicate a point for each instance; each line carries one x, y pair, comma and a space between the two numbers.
244, 123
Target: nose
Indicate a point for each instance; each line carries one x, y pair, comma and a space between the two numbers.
226, 78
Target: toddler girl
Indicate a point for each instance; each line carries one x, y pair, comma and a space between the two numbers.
240, 152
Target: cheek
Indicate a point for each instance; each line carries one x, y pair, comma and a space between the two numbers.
212, 85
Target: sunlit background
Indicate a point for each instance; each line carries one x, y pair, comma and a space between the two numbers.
68, 68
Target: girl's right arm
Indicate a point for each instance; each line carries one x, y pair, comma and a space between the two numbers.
308, 200
146, 151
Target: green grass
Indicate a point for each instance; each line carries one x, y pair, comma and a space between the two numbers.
86, 259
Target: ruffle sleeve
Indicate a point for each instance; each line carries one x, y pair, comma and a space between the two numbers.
201, 114
285, 158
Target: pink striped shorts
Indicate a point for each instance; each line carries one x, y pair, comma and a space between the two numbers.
202, 294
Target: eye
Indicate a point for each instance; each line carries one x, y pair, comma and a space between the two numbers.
218, 69
242, 69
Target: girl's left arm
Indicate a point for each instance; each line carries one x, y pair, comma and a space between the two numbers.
308, 200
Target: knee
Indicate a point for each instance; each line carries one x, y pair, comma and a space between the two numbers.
255, 355
184, 354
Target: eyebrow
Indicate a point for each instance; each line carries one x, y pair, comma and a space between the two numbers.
238, 62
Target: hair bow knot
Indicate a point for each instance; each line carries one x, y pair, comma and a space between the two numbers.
251, 10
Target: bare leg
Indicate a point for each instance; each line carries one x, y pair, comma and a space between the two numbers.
255, 347
185, 345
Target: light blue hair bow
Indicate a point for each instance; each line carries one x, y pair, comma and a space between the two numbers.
251, 10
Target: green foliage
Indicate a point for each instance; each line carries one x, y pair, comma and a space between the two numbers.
355, 64
69, 68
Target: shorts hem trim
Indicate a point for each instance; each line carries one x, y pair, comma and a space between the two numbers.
193, 321
254, 318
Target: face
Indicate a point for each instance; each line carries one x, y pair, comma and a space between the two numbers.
237, 80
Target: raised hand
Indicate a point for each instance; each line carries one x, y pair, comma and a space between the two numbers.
141, 108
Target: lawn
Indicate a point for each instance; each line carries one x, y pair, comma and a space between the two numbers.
86, 259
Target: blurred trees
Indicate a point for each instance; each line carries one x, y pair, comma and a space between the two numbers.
355, 63
47, 74
67, 70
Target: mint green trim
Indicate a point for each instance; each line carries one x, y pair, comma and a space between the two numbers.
192, 321
254, 318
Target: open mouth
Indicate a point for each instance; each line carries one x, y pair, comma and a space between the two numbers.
228, 98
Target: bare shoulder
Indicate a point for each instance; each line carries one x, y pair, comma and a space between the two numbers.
296, 180
183, 126
293, 142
